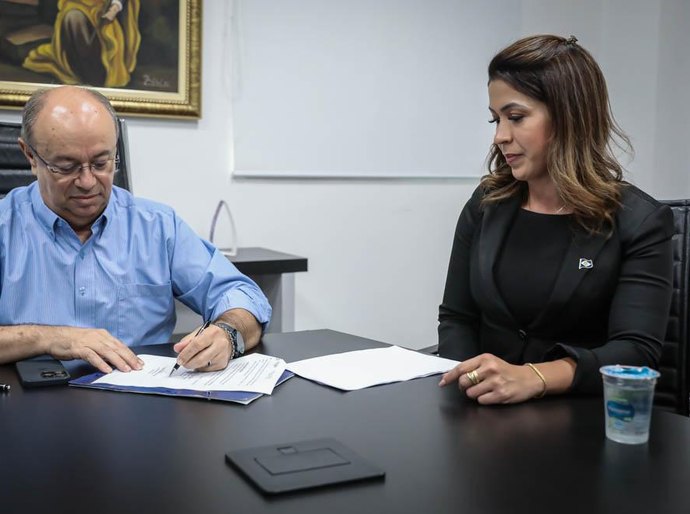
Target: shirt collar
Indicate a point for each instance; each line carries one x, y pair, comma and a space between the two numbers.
45, 216
48, 218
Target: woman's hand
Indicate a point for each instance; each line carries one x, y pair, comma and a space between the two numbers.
493, 380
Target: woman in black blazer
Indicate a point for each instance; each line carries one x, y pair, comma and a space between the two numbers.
558, 266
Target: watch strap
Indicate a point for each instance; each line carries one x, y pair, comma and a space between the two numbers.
234, 337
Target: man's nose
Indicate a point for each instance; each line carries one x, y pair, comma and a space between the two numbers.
86, 178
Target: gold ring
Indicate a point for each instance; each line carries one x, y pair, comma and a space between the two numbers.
472, 377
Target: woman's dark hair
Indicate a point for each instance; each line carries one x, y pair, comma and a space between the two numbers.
565, 77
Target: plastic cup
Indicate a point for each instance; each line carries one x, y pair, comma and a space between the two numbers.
628, 397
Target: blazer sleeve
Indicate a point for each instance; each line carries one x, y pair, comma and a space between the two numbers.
640, 307
458, 314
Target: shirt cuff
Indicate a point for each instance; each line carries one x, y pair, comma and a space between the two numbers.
238, 299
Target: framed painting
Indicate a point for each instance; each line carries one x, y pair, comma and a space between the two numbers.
144, 55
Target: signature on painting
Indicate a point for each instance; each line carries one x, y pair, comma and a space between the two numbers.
150, 81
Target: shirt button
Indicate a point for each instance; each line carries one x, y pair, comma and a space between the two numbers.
82, 291
522, 334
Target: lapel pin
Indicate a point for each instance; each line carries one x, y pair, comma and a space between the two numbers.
585, 263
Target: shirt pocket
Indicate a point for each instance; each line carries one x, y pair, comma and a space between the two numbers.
143, 311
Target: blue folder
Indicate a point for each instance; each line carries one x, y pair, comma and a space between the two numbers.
242, 397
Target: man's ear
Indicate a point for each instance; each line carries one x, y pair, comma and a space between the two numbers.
28, 154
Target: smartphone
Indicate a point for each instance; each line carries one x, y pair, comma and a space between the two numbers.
39, 373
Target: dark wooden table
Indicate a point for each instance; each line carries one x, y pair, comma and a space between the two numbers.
262, 261
74, 450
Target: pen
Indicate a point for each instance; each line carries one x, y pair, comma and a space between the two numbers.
4, 387
201, 329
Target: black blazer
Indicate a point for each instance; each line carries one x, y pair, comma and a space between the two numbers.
614, 312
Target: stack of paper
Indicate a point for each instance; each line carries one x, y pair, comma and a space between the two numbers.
365, 368
242, 381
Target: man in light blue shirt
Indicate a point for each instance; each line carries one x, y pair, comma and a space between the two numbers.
87, 270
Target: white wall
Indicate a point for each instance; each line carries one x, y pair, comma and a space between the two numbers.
670, 176
362, 88
378, 249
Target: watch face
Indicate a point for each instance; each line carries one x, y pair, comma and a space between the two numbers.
240, 341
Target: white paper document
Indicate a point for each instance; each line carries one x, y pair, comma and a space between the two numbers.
253, 373
365, 368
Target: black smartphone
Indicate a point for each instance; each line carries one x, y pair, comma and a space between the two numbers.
39, 373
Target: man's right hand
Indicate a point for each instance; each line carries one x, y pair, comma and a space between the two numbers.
95, 346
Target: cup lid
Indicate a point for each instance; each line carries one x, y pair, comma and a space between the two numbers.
629, 372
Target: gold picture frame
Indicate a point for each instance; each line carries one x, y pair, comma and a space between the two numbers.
162, 69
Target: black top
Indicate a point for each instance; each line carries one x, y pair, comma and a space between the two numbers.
608, 305
529, 263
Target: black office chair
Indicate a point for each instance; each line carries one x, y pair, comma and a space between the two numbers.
15, 170
673, 388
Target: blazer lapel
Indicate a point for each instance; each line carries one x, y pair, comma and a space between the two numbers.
496, 223
580, 257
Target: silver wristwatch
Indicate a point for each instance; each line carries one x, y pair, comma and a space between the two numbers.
235, 338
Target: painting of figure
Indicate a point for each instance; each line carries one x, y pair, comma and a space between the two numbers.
94, 42
130, 48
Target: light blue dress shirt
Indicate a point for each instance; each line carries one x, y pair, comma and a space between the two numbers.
139, 257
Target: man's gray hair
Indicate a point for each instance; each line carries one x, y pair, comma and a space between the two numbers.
34, 106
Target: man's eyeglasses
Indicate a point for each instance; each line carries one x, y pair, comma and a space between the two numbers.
102, 166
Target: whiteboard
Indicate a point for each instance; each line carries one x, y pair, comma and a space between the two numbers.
364, 88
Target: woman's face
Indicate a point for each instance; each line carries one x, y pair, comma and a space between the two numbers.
523, 130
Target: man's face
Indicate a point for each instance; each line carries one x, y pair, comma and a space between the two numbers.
74, 129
